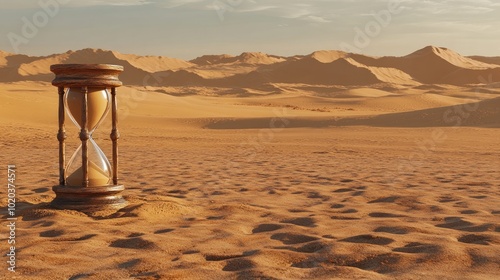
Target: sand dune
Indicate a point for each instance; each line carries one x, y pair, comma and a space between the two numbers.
39, 70
390, 75
447, 67
137, 68
258, 58
3, 58
450, 56
244, 58
311, 71
488, 60
477, 114
322, 166
480, 114
9, 70
328, 56
213, 59
153, 64
317, 68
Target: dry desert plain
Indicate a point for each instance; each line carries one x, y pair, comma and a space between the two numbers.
323, 166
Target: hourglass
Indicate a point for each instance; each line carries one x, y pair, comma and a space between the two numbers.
88, 182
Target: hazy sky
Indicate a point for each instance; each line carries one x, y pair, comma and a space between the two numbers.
190, 28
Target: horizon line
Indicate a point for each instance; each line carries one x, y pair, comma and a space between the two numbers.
243, 52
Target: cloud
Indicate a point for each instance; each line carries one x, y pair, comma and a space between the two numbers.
315, 19
256, 9
454, 7
312, 11
88, 3
177, 3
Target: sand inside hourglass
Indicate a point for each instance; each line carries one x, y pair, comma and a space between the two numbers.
97, 176
97, 102
97, 107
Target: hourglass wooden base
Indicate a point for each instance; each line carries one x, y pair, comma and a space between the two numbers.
89, 199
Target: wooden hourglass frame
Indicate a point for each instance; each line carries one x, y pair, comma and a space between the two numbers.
85, 91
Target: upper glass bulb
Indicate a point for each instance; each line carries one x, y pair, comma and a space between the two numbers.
97, 106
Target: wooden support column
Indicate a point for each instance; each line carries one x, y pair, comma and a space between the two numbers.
84, 136
115, 135
61, 136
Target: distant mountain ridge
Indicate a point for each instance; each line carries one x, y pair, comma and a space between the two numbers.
429, 65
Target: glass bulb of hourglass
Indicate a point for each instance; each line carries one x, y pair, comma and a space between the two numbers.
97, 106
99, 169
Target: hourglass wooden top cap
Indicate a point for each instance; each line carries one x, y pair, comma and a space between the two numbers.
86, 75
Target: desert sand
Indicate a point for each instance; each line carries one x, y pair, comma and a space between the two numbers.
321, 166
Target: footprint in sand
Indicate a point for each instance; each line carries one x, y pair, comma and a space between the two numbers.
393, 229
213, 218
337, 206
129, 264
318, 195
291, 238
85, 237
346, 180
369, 239
81, 276
149, 190
43, 223
458, 223
388, 199
135, 234
476, 239
309, 248
297, 210
41, 190
146, 275
235, 262
217, 257
417, 248
344, 218
469, 212
358, 193
190, 252
164, 230
384, 215
52, 233
266, 228
133, 243
309, 263
447, 198
384, 263
305, 222
343, 190
238, 265
177, 193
